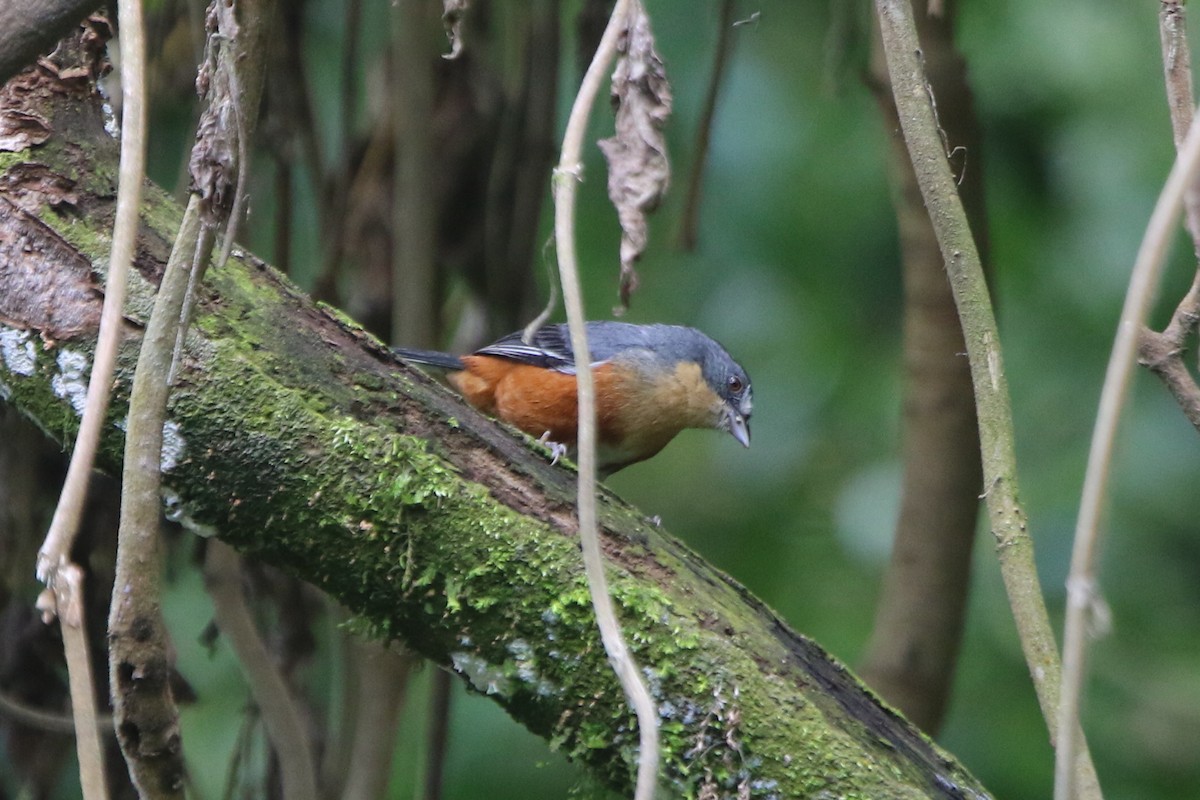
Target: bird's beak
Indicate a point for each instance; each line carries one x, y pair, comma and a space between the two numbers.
736, 424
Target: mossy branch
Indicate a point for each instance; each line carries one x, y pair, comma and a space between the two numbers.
299, 440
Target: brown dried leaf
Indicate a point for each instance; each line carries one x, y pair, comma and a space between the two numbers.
638, 169
214, 161
453, 12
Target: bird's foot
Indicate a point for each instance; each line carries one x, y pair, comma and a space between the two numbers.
557, 449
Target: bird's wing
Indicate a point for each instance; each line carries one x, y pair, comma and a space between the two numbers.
550, 348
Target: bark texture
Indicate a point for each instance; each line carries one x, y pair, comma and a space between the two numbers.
29, 28
299, 440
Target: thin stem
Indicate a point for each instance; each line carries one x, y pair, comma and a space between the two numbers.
691, 203
63, 527
285, 727
51, 721
146, 715
69, 590
1163, 352
63, 579
993, 407
920, 614
565, 190
1082, 593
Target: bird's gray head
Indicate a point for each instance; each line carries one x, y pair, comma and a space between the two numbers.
726, 377
731, 383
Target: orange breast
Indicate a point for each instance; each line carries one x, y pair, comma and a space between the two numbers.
539, 400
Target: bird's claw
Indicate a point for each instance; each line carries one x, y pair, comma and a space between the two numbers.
557, 449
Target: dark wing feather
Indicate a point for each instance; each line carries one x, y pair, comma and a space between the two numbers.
431, 358
550, 348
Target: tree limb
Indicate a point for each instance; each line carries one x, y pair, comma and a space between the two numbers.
304, 444
915, 105
1163, 352
285, 726
921, 609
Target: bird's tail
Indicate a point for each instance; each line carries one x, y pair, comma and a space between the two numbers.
430, 358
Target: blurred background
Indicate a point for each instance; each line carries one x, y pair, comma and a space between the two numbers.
796, 270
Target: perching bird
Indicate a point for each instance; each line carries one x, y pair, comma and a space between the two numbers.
652, 381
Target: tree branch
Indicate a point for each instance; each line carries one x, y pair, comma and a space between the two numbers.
920, 612
1014, 544
285, 726
1163, 352
304, 444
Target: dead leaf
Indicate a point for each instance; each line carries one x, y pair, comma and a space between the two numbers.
638, 169
214, 161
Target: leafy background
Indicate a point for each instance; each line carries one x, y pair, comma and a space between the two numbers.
797, 273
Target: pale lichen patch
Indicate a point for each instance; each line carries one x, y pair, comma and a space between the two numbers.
17, 350
71, 380
484, 677
172, 446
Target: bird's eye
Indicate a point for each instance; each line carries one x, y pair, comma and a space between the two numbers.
735, 384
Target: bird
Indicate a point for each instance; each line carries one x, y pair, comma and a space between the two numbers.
651, 382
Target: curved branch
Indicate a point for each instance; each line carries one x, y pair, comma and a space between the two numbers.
1007, 517
566, 180
921, 610
285, 727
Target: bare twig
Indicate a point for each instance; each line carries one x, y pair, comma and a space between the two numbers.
380, 684
1177, 68
993, 408
691, 204
1165, 359
919, 616
68, 590
43, 720
566, 180
56, 549
1082, 592
285, 727
63, 579
146, 715
1163, 352
147, 719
